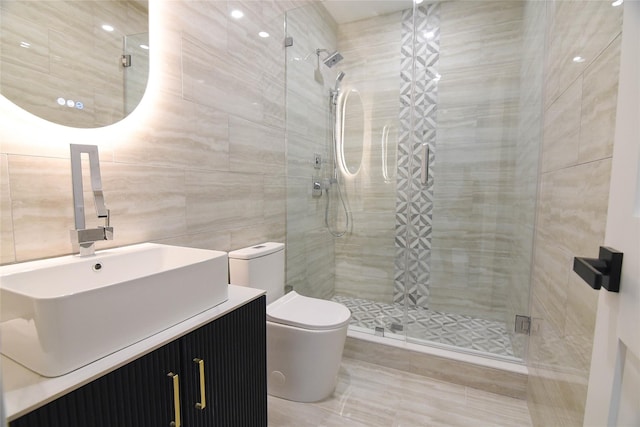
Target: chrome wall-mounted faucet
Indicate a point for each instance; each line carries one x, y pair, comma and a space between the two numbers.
82, 239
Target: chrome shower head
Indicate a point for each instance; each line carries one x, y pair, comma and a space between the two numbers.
333, 59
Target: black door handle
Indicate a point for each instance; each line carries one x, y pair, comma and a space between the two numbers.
603, 271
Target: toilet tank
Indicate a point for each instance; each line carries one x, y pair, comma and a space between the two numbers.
260, 266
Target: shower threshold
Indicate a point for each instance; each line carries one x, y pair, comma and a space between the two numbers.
465, 332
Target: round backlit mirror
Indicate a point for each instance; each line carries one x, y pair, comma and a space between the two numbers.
76, 63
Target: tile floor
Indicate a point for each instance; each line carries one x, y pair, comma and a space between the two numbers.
371, 395
446, 328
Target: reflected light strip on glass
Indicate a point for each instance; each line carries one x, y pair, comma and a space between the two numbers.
339, 145
385, 147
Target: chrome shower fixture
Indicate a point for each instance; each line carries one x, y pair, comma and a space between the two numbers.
339, 78
317, 74
333, 58
333, 93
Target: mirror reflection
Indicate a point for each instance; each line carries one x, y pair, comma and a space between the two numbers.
77, 63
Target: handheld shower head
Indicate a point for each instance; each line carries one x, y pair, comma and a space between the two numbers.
336, 90
339, 78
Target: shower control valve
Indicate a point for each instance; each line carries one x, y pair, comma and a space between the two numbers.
316, 187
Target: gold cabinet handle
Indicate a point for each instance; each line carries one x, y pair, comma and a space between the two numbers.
176, 399
203, 400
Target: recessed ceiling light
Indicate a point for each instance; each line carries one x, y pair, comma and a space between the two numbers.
617, 3
418, 1
107, 27
578, 59
144, 46
263, 34
237, 14
25, 45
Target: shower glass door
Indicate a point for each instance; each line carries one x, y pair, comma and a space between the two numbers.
359, 267
476, 138
433, 163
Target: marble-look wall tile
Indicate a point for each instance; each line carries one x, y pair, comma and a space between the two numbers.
255, 148
244, 43
213, 240
550, 274
598, 116
219, 200
137, 194
205, 21
579, 324
191, 136
42, 214
568, 213
364, 256
177, 170
14, 26
7, 248
475, 157
310, 247
579, 116
563, 307
268, 231
576, 28
275, 196
232, 88
562, 129
528, 147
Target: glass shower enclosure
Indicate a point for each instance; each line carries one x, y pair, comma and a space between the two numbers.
418, 146
135, 68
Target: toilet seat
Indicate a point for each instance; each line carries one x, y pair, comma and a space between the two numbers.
296, 310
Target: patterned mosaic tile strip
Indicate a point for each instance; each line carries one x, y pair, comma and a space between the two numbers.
445, 328
418, 113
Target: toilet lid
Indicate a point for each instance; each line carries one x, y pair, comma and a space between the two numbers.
294, 309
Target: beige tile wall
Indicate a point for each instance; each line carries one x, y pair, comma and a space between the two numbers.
310, 248
475, 159
365, 256
201, 162
527, 158
579, 116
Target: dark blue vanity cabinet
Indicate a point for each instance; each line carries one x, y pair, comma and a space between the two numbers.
221, 381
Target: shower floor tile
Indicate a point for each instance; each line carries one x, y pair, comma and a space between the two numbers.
487, 336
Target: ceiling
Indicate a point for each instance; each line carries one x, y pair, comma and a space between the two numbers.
355, 10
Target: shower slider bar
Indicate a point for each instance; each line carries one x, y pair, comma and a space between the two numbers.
424, 173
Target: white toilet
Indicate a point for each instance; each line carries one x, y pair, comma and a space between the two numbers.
305, 336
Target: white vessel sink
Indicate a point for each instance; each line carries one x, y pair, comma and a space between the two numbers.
59, 314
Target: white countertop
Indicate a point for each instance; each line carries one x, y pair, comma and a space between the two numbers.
24, 390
